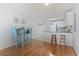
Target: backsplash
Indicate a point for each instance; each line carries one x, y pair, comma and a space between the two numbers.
64, 29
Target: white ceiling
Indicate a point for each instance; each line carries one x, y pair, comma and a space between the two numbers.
36, 10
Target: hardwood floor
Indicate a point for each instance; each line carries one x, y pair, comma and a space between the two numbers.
38, 48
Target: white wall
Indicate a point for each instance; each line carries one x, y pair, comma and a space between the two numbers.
35, 24
37, 10
32, 13
37, 29
6, 21
76, 34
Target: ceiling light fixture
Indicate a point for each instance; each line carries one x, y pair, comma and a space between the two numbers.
46, 4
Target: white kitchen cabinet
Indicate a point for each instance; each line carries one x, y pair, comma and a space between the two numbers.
47, 37
69, 18
69, 39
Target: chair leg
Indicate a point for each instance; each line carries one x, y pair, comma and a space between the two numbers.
53, 39
16, 46
22, 44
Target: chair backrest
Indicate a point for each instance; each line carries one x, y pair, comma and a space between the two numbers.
29, 31
53, 36
62, 36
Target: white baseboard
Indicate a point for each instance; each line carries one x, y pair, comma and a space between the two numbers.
76, 50
5, 47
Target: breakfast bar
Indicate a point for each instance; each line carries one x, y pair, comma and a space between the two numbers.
68, 37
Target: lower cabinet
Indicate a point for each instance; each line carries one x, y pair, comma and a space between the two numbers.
68, 38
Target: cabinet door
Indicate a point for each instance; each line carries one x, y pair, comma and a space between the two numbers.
70, 18
69, 39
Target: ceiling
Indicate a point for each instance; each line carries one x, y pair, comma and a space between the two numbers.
36, 10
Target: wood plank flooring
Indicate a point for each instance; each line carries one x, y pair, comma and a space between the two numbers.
38, 48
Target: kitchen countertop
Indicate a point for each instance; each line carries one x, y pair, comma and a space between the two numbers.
59, 32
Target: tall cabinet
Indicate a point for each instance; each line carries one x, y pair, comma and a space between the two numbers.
69, 20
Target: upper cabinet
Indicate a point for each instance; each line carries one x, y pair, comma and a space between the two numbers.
69, 19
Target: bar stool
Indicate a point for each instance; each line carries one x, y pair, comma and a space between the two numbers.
53, 43
62, 40
53, 40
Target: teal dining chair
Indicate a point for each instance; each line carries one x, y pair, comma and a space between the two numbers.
14, 35
28, 34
